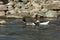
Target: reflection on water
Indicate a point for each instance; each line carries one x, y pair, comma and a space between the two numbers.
23, 32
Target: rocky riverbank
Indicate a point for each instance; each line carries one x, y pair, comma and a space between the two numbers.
31, 8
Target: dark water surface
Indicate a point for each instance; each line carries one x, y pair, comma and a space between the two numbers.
18, 31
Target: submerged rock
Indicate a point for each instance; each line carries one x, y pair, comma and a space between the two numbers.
3, 22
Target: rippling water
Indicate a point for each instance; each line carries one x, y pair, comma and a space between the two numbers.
18, 31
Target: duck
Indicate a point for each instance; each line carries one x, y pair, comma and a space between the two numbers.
44, 23
28, 23
36, 23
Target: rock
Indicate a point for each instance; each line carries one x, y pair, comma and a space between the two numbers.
53, 5
29, 8
11, 12
17, 10
10, 8
49, 2
3, 22
2, 13
35, 3
20, 5
10, 3
40, 13
44, 10
51, 14
1, 2
3, 7
13, 16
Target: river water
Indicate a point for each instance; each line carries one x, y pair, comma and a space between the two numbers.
18, 31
